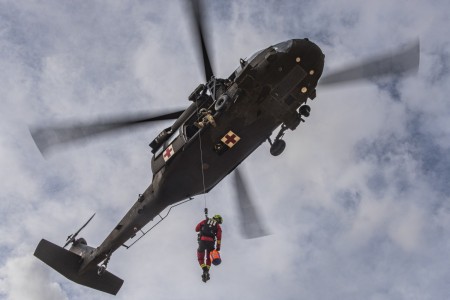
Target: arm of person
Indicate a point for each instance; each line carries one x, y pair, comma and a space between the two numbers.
219, 238
199, 226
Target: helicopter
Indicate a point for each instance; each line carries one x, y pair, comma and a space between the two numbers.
227, 120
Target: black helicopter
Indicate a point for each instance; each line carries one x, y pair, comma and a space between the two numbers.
227, 120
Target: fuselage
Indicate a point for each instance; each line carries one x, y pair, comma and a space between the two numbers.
264, 92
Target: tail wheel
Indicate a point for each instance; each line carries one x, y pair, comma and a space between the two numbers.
101, 270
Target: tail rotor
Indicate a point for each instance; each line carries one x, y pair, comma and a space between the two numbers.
71, 238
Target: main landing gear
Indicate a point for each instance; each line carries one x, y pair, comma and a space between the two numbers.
278, 145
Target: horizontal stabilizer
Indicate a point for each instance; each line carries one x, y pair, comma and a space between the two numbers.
68, 263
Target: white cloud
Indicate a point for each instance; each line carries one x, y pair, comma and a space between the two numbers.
357, 204
407, 231
25, 278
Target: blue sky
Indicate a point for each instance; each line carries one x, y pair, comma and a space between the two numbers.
358, 204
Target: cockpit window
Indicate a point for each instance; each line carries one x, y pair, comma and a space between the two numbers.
254, 55
239, 69
283, 47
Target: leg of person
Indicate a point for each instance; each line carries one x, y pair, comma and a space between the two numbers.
201, 259
209, 247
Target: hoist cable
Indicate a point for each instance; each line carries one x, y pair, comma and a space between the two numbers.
201, 161
203, 171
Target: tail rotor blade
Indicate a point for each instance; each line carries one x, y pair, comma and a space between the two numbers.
71, 238
251, 224
401, 62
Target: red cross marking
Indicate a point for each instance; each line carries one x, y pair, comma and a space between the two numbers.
167, 153
230, 139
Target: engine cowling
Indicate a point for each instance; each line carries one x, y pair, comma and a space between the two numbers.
80, 247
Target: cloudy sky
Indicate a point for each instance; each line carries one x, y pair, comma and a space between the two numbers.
358, 204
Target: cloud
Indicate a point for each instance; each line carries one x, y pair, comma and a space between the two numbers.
357, 203
24, 277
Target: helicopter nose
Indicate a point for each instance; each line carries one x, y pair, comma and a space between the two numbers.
306, 54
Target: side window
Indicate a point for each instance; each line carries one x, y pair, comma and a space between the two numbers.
159, 151
190, 130
171, 139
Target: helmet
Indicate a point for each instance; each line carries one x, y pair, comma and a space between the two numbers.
218, 218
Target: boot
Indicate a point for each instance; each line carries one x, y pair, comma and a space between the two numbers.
205, 275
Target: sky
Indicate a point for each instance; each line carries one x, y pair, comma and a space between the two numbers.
358, 204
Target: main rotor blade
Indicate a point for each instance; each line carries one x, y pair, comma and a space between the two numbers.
72, 237
401, 62
63, 133
197, 17
251, 224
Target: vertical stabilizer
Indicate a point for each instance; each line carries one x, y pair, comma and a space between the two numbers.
68, 263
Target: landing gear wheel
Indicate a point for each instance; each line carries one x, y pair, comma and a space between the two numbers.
277, 147
101, 270
305, 110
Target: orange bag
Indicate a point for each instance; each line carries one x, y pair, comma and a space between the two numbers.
215, 257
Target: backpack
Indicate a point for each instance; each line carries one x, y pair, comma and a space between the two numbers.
209, 228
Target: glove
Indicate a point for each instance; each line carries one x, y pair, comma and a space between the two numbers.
218, 245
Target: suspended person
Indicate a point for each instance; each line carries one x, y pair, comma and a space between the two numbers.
209, 237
